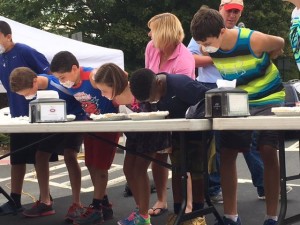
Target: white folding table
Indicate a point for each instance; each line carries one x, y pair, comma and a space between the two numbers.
107, 126
169, 125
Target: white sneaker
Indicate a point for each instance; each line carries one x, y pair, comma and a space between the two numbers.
288, 190
218, 198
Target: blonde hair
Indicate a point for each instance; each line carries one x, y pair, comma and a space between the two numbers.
166, 30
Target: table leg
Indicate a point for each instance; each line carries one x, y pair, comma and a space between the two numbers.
283, 205
182, 216
206, 178
183, 172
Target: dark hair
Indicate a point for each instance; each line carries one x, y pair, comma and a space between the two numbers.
21, 78
113, 76
62, 62
206, 23
141, 82
4, 28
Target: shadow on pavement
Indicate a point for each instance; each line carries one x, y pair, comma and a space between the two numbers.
251, 209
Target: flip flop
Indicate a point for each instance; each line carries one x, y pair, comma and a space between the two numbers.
160, 211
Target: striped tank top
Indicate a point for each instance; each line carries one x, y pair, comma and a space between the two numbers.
258, 76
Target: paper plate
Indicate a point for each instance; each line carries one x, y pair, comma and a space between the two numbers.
286, 111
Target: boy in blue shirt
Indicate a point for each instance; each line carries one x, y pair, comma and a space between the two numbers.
13, 55
99, 155
25, 82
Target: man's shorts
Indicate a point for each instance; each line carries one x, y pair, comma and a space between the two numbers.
61, 141
19, 141
194, 153
100, 154
241, 139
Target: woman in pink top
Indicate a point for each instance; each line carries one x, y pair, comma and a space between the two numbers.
166, 53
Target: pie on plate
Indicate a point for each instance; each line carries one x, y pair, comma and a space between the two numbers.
71, 117
108, 116
149, 115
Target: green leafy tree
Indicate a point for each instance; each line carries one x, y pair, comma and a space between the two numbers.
122, 24
118, 24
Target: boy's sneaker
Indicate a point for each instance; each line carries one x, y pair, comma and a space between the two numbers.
10, 208
218, 198
270, 222
127, 191
108, 212
139, 220
288, 190
261, 192
230, 222
261, 197
74, 212
91, 216
39, 209
130, 219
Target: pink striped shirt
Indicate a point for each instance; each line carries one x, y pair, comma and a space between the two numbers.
180, 62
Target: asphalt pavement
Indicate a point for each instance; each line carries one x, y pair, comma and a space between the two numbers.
251, 209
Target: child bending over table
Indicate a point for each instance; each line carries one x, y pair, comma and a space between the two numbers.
99, 154
113, 83
175, 94
26, 82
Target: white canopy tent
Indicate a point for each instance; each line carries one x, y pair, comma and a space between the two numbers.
49, 44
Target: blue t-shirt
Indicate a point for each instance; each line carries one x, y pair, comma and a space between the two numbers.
181, 93
20, 55
73, 106
91, 98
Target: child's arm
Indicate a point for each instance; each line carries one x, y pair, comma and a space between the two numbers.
261, 43
203, 60
92, 74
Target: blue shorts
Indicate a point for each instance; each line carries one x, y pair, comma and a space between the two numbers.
19, 141
61, 141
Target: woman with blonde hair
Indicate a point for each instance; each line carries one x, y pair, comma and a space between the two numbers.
166, 52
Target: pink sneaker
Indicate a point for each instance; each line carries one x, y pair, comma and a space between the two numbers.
39, 209
74, 212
